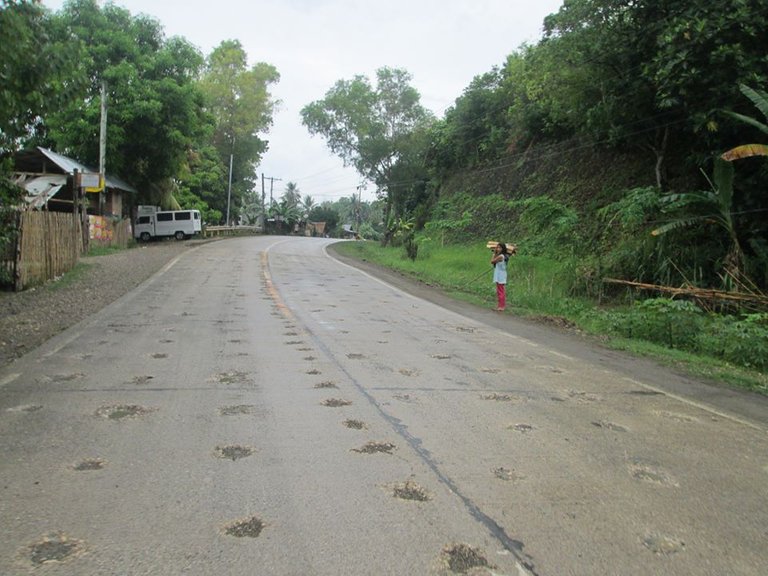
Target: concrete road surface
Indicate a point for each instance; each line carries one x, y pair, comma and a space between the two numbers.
259, 407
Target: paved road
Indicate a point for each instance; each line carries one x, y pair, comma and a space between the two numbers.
261, 408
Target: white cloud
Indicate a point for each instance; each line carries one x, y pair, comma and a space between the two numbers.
314, 43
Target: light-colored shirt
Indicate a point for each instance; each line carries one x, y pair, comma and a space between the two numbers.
500, 271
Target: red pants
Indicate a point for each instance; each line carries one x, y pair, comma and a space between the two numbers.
501, 296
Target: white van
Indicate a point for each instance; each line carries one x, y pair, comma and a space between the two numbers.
180, 224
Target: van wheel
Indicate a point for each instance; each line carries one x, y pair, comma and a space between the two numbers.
179, 235
145, 237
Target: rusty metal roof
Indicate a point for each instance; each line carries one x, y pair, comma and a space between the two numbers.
35, 161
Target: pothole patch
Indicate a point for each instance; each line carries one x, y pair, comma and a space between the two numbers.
501, 397
57, 378
335, 402
233, 377
237, 410
354, 424
651, 474
410, 490
246, 528
581, 396
121, 411
55, 548
89, 464
233, 452
676, 416
325, 385
461, 558
25, 408
663, 545
609, 426
506, 474
375, 448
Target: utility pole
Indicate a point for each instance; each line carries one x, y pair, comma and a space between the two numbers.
263, 209
271, 185
103, 147
358, 211
229, 188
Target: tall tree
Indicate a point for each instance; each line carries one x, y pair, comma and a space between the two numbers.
370, 127
155, 109
35, 71
239, 99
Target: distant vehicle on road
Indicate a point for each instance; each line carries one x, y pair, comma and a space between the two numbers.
154, 223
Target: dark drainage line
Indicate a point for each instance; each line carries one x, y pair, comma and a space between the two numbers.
515, 547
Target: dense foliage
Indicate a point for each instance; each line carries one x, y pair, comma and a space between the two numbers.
174, 116
652, 80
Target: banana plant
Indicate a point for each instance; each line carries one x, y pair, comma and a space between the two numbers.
712, 207
760, 100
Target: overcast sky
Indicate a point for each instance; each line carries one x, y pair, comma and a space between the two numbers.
443, 44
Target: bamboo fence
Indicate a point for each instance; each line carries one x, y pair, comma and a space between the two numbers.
48, 245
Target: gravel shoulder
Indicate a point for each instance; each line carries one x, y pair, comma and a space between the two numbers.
29, 318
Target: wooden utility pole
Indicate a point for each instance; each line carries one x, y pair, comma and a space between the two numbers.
103, 147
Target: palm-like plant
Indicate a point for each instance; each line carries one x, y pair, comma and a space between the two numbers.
711, 207
291, 195
760, 100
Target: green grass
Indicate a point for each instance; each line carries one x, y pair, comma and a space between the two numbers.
537, 287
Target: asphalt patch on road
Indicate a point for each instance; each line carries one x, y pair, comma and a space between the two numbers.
506, 474
248, 528
501, 397
28, 408
54, 548
375, 448
237, 410
609, 426
410, 490
326, 384
651, 474
233, 452
335, 402
461, 558
663, 545
121, 411
233, 377
89, 464
354, 424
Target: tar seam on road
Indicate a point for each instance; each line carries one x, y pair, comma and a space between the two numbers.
515, 547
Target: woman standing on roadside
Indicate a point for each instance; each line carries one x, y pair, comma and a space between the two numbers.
499, 263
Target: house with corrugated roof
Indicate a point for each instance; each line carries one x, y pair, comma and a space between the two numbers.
48, 181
